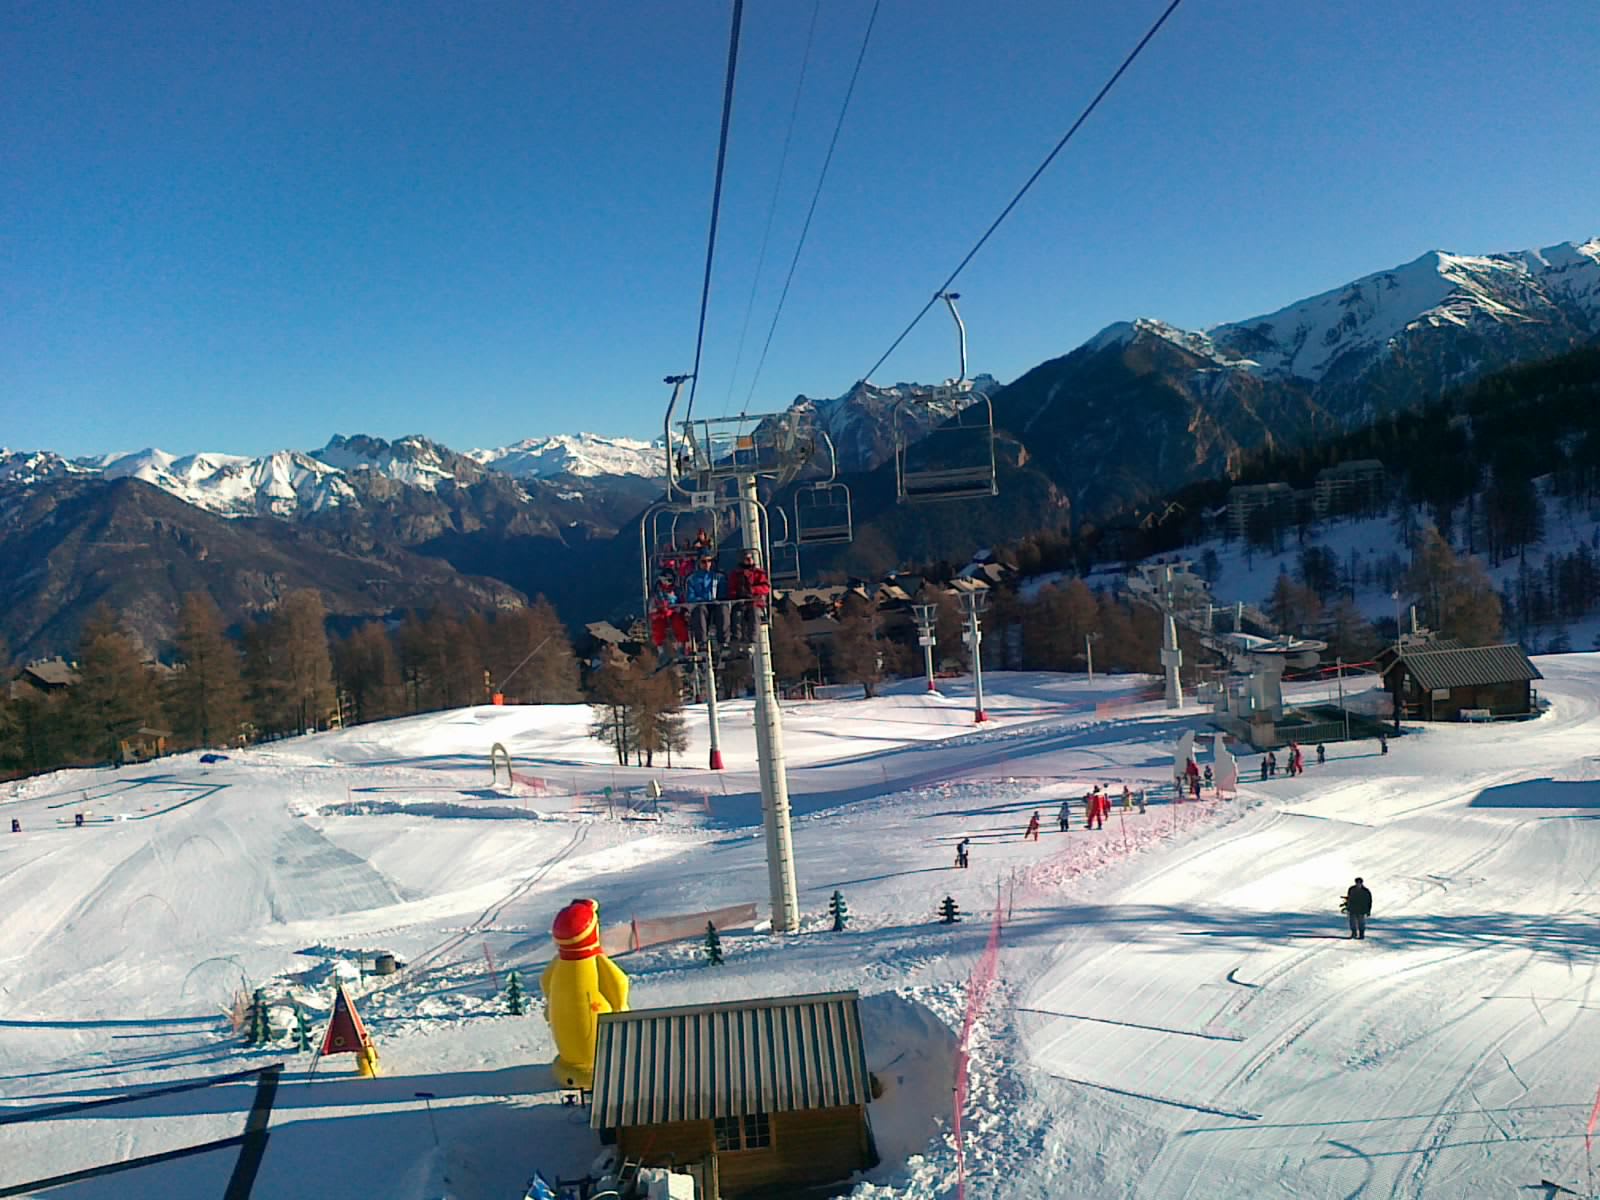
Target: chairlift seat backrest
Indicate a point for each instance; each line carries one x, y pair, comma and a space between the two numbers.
822, 515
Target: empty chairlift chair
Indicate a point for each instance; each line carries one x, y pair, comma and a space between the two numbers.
822, 514
952, 461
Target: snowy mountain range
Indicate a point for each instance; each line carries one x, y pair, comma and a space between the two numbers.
1144, 406
584, 456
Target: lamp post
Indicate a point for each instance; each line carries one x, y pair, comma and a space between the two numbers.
974, 602
1089, 639
927, 616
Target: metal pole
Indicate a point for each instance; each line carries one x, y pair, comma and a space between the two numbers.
769, 749
714, 727
974, 640
926, 615
1088, 652
1171, 656
1342, 708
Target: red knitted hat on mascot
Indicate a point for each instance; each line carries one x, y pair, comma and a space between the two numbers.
576, 930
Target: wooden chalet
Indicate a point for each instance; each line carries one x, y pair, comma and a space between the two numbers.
752, 1096
1442, 680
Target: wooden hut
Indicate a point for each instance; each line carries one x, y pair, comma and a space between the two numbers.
1446, 681
756, 1095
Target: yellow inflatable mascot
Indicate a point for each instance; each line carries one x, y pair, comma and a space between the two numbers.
579, 985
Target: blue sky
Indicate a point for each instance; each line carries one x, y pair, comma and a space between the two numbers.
243, 227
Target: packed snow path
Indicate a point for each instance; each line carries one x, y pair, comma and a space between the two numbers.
1179, 1013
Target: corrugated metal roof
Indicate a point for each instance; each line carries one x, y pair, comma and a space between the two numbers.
1469, 666
724, 1060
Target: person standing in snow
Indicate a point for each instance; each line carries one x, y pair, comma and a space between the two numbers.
1357, 906
1272, 764
1383, 744
1141, 800
1263, 768
1033, 828
1322, 754
1063, 817
1098, 806
961, 852
1210, 779
1127, 799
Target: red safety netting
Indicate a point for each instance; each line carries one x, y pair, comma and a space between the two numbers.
978, 990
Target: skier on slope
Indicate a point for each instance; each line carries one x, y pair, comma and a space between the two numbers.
962, 848
1063, 818
1322, 754
1357, 906
1033, 828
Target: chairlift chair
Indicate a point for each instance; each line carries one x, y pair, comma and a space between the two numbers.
783, 555
822, 514
955, 460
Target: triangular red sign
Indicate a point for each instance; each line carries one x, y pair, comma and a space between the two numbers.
346, 1034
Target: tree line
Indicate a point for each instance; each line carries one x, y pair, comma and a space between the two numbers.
280, 674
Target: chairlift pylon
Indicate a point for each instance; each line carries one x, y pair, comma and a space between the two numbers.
954, 460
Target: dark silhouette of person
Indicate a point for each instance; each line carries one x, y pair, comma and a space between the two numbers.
1357, 905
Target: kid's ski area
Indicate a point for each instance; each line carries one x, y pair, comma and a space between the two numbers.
1176, 1007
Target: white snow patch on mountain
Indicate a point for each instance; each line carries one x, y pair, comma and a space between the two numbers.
410, 460
285, 483
584, 454
1309, 337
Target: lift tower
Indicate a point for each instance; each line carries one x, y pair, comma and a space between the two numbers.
706, 457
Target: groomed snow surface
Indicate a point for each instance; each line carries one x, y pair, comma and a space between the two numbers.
1178, 1012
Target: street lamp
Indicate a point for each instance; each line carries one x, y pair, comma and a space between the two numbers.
927, 616
973, 603
1089, 639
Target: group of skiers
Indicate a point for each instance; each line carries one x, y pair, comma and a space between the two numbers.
1096, 808
693, 600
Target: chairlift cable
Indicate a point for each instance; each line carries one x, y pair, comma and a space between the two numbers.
716, 197
1032, 179
772, 208
822, 176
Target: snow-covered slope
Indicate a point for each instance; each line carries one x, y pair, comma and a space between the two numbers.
283, 484
1349, 327
25, 467
1176, 1011
584, 454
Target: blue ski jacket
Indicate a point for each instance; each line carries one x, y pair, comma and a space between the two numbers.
703, 586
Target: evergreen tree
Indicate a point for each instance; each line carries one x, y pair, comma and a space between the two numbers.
367, 671
949, 913
838, 910
302, 1030
288, 665
610, 690
205, 699
116, 693
792, 656
260, 1031
516, 997
713, 946
857, 655
530, 656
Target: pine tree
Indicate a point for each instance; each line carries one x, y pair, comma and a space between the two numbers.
792, 656
367, 670
260, 1032
206, 696
302, 1030
516, 998
116, 693
713, 946
857, 655
949, 914
839, 911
